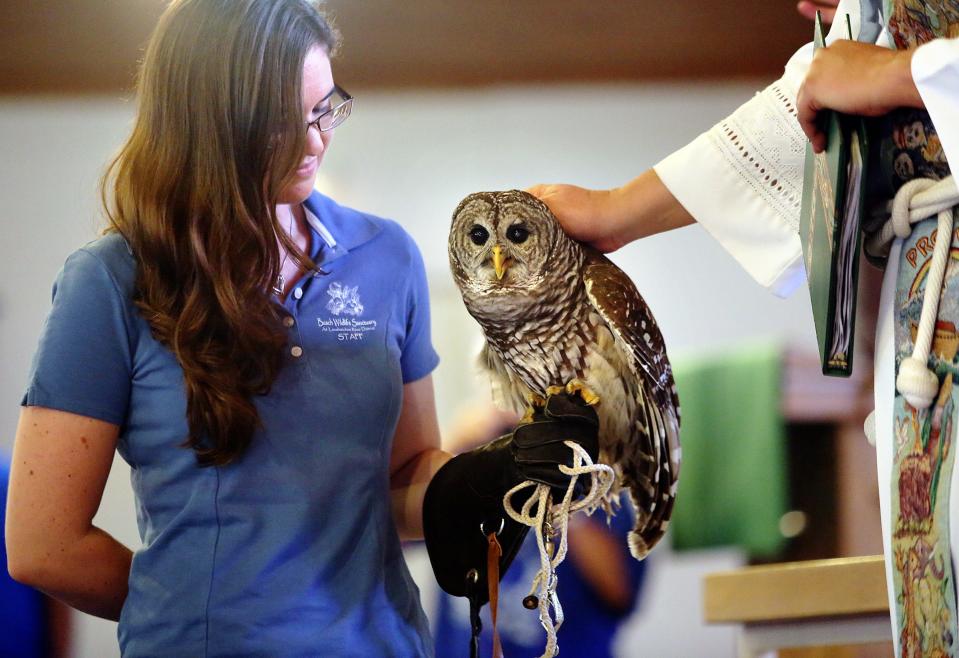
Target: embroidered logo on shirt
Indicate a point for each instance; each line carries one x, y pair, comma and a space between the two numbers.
345, 300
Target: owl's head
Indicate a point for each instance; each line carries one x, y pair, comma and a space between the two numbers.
506, 244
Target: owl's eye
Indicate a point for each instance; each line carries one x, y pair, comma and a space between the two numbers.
517, 233
479, 235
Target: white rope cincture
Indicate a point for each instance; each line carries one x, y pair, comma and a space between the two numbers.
534, 514
915, 201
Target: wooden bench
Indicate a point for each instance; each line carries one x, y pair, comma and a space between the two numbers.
801, 604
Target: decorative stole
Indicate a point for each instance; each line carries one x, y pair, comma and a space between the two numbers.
924, 456
923, 450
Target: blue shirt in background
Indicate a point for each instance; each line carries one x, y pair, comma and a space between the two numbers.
23, 610
292, 550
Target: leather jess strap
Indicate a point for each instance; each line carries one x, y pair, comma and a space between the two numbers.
493, 554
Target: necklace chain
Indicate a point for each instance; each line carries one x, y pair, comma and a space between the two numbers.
280, 283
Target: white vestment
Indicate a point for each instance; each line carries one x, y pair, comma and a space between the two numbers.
742, 180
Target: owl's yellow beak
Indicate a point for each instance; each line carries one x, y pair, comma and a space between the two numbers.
499, 262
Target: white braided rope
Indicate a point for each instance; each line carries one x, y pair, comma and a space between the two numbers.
915, 201
534, 514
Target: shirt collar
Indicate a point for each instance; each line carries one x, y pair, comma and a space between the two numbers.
336, 228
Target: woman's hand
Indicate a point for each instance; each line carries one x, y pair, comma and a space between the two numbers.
855, 78
463, 505
415, 456
808, 8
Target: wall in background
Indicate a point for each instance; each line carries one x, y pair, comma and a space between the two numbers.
412, 156
432, 43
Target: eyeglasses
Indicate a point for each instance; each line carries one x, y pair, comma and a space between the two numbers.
341, 104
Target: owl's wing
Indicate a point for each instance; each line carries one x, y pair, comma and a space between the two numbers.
652, 464
616, 299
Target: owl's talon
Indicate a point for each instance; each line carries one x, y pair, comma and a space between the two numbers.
528, 416
536, 400
579, 386
553, 390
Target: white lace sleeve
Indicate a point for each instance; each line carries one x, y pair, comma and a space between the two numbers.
742, 179
763, 145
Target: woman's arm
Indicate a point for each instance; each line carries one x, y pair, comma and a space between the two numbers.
60, 467
416, 456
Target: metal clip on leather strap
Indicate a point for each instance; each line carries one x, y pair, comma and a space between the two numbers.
493, 553
476, 626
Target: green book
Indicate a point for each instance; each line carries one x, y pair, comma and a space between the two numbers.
830, 231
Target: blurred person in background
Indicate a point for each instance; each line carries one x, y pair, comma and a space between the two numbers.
32, 625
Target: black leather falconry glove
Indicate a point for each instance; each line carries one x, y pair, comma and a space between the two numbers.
464, 500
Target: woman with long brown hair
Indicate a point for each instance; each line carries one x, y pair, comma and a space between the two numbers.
258, 354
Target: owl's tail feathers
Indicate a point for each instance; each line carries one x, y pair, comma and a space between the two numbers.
638, 547
650, 526
652, 479
642, 541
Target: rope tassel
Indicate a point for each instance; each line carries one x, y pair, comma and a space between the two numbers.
534, 513
915, 201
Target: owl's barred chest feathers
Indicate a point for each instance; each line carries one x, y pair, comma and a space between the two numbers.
546, 343
554, 341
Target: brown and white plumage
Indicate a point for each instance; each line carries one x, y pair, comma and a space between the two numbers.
553, 310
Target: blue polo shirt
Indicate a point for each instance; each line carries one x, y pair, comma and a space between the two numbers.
292, 550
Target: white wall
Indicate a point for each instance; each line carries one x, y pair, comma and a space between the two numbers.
413, 156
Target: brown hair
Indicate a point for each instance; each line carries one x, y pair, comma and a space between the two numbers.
219, 132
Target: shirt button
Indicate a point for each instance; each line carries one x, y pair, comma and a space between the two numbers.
297, 293
296, 351
288, 321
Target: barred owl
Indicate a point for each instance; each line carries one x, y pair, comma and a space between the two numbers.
556, 312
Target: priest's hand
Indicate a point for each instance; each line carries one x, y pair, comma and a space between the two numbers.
855, 78
586, 215
609, 219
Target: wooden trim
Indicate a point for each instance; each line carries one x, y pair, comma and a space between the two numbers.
796, 590
77, 46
